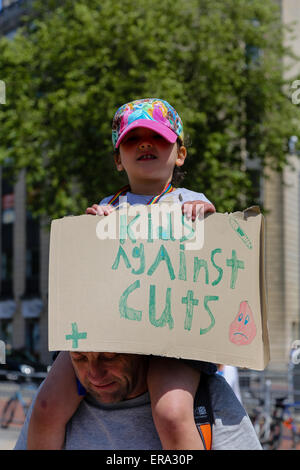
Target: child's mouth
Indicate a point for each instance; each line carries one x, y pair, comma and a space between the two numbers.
147, 157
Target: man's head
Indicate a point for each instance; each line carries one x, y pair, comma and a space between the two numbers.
111, 377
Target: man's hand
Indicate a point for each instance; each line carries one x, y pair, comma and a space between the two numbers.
100, 210
191, 209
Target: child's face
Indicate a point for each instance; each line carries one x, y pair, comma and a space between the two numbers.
147, 157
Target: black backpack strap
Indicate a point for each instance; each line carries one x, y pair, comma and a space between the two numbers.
203, 412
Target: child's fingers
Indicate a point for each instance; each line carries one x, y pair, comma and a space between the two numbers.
105, 210
99, 210
187, 210
194, 209
198, 211
209, 208
91, 210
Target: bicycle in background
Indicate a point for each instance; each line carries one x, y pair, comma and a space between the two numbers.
279, 425
18, 401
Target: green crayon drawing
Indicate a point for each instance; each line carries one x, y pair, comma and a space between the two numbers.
129, 312
190, 303
162, 256
209, 298
235, 265
166, 317
238, 229
220, 270
198, 264
75, 336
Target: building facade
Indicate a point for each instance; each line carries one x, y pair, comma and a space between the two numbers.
24, 243
282, 203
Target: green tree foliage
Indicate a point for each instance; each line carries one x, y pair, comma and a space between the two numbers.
218, 62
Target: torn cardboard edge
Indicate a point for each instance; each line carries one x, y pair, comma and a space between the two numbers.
145, 348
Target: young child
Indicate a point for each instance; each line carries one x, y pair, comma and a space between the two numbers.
148, 142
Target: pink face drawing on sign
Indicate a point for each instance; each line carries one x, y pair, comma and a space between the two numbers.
242, 330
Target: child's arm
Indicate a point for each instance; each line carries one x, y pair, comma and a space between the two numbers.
56, 402
172, 386
191, 209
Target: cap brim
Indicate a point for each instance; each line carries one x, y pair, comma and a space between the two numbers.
161, 129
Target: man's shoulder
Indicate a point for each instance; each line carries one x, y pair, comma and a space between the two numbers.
225, 403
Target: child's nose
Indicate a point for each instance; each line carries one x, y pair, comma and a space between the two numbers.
145, 145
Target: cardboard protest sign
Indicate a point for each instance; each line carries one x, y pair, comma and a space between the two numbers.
128, 282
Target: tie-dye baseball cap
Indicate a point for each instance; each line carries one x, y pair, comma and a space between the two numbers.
151, 113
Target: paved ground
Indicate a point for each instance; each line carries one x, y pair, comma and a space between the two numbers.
9, 436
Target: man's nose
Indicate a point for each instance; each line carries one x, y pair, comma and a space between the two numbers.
97, 371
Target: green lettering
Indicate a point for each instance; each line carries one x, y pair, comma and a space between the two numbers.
129, 231
120, 253
166, 317
162, 256
198, 264
150, 233
235, 265
168, 233
128, 312
138, 252
123, 228
190, 302
192, 231
220, 270
182, 265
207, 299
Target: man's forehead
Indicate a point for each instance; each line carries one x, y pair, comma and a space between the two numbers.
104, 355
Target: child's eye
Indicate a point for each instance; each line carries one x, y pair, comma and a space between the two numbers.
131, 138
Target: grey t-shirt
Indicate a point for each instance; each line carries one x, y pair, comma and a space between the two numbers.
128, 425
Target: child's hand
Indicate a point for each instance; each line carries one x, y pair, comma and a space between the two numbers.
191, 209
100, 210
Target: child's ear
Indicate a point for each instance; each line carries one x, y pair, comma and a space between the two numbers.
182, 153
118, 161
